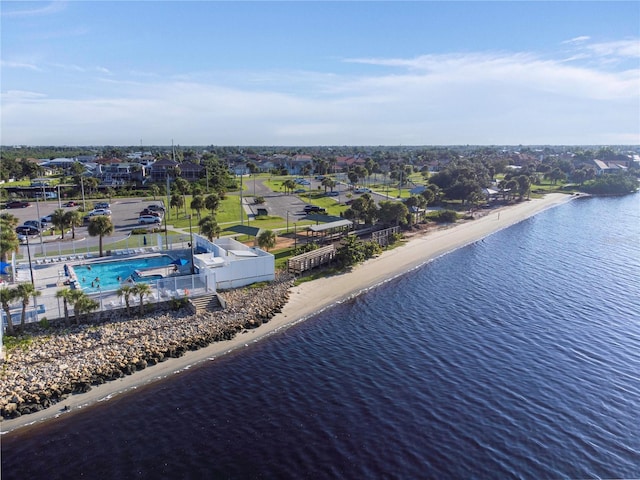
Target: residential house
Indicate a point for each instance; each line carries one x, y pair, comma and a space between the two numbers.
603, 167
189, 171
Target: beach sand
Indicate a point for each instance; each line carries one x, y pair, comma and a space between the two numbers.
308, 299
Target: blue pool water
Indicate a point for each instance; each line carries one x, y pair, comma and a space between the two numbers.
107, 274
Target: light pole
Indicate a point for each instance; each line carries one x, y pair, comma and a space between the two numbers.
84, 204
193, 267
33, 283
39, 224
241, 200
30, 264
287, 221
166, 234
295, 236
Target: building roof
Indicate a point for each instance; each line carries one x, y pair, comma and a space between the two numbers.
331, 225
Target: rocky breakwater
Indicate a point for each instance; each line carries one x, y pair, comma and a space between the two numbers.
60, 362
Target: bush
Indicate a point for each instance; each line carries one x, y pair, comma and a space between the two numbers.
444, 216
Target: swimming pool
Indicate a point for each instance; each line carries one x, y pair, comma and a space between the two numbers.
107, 276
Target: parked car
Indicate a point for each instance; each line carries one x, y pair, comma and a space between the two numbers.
300, 190
146, 211
101, 205
70, 204
332, 194
99, 211
46, 219
22, 239
362, 190
34, 223
155, 208
313, 209
18, 204
27, 230
146, 219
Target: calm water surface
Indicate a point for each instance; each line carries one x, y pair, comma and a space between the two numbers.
515, 357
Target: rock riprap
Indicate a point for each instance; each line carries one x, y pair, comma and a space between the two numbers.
63, 361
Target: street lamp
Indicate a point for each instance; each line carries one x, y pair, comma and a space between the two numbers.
33, 283
193, 267
287, 221
84, 204
295, 236
39, 224
30, 264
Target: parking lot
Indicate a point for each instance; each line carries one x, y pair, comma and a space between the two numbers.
124, 215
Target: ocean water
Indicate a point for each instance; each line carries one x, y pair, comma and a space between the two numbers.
515, 357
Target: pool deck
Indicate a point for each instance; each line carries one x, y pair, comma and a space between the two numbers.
49, 277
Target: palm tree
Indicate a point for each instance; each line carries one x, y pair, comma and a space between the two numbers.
141, 289
212, 202
267, 239
25, 292
209, 227
99, 227
8, 237
125, 292
59, 220
67, 295
328, 182
84, 304
289, 185
91, 183
184, 188
74, 219
197, 204
155, 191
8, 296
176, 201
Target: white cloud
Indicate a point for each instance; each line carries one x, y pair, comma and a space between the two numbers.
580, 39
622, 48
51, 8
22, 95
487, 98
27, 66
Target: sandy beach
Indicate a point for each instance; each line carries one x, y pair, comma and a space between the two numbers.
307, 299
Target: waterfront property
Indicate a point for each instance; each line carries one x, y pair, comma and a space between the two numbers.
202, 269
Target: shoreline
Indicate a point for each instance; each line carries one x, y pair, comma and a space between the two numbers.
306, 300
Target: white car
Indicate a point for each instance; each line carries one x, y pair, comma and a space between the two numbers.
145, 219
99, 211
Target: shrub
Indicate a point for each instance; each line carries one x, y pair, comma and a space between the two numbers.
444, 216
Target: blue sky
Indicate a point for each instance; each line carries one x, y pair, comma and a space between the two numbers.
319, 73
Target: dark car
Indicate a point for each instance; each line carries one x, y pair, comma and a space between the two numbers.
18, 204
27, 230
34, 223
155, 208
69, 204
313, 209
146, 211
